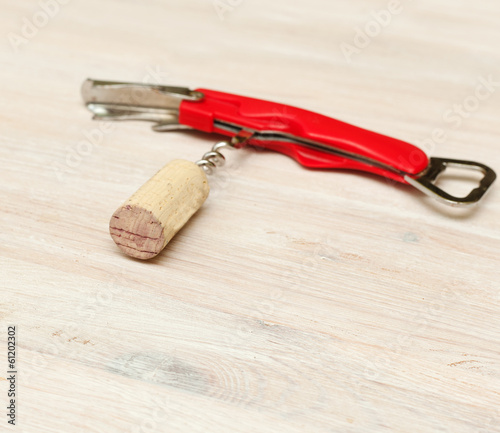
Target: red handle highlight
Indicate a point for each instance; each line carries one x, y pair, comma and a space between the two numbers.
259, 115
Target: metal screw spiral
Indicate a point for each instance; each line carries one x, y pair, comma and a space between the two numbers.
213, 159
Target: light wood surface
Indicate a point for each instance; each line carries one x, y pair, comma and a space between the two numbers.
294, 300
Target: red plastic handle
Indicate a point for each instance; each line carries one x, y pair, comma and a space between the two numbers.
379, 154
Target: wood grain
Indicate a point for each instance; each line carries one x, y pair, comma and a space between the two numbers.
294, 300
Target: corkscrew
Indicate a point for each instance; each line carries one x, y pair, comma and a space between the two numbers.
214, 158
147, 221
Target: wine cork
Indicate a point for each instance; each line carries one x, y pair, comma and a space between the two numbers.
146, 222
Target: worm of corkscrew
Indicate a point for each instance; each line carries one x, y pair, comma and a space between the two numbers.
214, 158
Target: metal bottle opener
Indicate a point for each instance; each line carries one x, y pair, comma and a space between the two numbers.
314, 140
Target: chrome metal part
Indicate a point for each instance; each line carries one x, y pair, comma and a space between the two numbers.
214, 158
426, 182
112, 100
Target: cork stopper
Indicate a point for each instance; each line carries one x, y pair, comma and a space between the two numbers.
146, 222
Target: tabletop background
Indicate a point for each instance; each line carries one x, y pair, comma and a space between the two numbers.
295, 300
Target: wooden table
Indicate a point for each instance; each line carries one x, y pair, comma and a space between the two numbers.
295, 300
